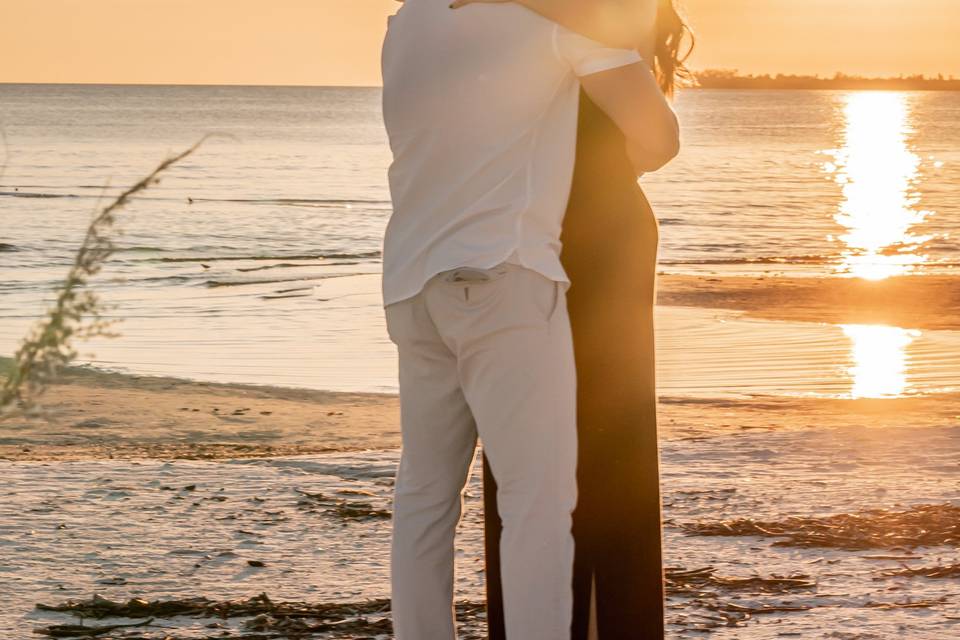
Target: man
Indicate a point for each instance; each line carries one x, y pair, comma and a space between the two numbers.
480, 106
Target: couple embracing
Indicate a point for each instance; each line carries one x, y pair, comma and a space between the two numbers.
518, 286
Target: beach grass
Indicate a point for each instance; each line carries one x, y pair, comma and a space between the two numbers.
78, 312
6, 366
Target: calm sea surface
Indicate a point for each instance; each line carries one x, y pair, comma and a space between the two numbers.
258, 259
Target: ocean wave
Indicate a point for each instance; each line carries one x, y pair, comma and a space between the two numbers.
319, 255
140, 249
341, 203
791, 260
284, 265
363, 255
800, 259
33, 194
242, 282
6, 247
345, 203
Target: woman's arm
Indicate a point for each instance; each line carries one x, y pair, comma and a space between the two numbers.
626, 24
630, 96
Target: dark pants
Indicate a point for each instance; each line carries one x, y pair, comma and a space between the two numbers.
610, 239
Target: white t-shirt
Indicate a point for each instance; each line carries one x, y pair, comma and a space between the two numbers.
480, 105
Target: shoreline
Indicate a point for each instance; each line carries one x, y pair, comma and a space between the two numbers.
92, 414
736, 83
96, 415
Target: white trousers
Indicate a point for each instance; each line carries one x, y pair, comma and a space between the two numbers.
488, 352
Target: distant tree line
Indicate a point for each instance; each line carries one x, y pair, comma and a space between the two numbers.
731, 79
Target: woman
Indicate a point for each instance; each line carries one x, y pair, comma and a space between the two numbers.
610, 242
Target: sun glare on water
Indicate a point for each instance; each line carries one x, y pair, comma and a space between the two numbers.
879, 359
877, 172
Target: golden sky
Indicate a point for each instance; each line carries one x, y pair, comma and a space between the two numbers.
336, 42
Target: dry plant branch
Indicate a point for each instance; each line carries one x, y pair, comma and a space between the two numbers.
6, 151
77, 312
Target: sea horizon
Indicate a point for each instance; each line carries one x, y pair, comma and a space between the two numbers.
881, 78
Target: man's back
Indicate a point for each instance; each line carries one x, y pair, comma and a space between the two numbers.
480, 105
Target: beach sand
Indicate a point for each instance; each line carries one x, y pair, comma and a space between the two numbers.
197, 479
92, 415
911, 302
124, 490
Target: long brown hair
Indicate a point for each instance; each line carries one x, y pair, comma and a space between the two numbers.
669, 63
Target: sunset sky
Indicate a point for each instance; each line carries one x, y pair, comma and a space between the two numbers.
336, 42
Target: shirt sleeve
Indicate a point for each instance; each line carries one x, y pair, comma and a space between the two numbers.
586, 56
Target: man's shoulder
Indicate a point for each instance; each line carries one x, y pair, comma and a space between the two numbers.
503, 17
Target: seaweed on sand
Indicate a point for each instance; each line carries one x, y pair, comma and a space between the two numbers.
695, 581
919, 526
82, 631
939, 572
340, 507
267, 619
703, 609
909, 604
705, 614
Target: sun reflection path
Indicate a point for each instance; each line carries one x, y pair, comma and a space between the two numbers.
877, 171
878, 352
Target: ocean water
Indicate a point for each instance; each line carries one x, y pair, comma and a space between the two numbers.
257, 259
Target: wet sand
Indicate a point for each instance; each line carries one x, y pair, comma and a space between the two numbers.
912, 302
334, 338
94, 415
